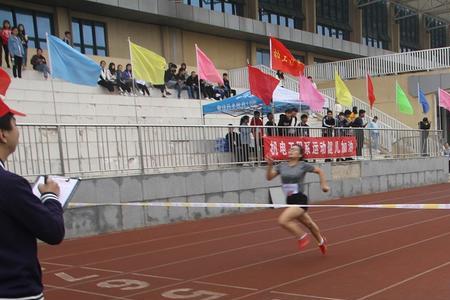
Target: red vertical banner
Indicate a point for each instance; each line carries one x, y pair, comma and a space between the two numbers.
278, 147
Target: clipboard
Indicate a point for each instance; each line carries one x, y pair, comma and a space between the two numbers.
67, 187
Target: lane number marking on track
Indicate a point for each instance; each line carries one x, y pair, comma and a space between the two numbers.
123, 284
186, 293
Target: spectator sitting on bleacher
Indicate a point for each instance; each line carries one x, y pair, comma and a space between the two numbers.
219, 92
103, 78
127, 77
169, 80
5, 33
40, 63
123, 87
206, 89
192, 84
142, 86
228, 90
181, 82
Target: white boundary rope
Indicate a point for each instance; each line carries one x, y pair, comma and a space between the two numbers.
258, 205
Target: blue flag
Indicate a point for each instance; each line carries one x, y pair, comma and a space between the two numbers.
423, 101
70, 65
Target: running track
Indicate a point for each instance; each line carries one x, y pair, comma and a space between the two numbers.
375, 254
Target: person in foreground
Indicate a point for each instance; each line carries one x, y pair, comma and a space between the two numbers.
23, 219
292, 175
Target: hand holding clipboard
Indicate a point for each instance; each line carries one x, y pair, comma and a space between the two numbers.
62, 186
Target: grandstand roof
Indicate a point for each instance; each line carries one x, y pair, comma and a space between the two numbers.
436, 8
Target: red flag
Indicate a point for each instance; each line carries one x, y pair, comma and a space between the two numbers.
261, 84
5, 80
370, 92
281, 59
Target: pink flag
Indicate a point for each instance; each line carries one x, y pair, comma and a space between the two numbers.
206, 69
310, 95
444, 99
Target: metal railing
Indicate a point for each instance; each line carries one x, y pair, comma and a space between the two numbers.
239, 78
115, 150
390, 64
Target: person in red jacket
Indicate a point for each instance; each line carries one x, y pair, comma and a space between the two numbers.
5, 33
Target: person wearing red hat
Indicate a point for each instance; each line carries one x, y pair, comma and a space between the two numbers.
23, 219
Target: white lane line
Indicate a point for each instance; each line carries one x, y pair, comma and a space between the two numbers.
303, 295
404, 281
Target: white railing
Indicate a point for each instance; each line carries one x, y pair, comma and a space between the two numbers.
391, 64
239, 79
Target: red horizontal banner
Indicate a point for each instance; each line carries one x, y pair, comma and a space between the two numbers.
278, 147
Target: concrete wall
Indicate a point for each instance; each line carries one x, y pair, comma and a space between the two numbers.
240, 185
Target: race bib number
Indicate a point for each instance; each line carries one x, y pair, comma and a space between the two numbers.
290, 189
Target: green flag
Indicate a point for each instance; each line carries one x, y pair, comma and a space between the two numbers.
403, 104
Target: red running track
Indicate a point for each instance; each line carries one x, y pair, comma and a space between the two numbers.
377, 254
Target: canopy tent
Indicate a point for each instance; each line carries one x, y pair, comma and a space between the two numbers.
246, 103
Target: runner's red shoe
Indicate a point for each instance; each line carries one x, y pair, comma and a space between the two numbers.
303, 242
323, 247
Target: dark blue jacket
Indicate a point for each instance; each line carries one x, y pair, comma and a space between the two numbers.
23, 219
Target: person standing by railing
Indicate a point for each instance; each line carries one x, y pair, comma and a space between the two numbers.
446, 153
424, 126
374, 133
245, 139
359, 133
232, 140
269, 124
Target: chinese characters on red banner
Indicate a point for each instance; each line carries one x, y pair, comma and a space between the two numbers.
278, 147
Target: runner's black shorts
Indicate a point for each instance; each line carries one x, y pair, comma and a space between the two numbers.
298, 199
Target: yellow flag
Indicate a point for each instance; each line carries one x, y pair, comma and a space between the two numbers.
147, 65
343, 95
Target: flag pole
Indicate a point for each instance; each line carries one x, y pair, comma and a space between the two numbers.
199, 86
51, 78
132, 81
437, 107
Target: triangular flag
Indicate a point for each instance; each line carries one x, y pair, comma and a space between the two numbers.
310, 95
370, 91
343, 95
444, 99
261, 84
5, 81
403, 104
206, 68
147, 65
423, 100
70, 65
281, 59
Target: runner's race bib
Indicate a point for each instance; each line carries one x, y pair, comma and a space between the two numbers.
290, 189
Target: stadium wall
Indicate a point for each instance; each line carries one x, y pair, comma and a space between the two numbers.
239, 185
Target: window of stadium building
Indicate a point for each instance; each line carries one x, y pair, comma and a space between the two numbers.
36, 24
409, 28
375, 25
232, 7
281, 12
438, 32
89, 37
263, 57
333, 18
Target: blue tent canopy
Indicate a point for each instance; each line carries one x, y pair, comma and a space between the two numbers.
246, 103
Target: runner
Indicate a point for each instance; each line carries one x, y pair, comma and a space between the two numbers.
292, 175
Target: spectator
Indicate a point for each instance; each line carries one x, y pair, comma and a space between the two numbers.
258, 133
206, 89
304, 127
181, 82
312, 81
16, 51
359, 133
103, 79
40, 63
169, 80
218, 92
341, 122
245, 138
5, 34
285, 121
192, 85
270, 123
24, 39
111, 72
142, 86
354, 114
446, 153
424, 126
280, 76
293, 131
123, 87
228, 90
328, 123
67, 38
374, 133
232, 139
